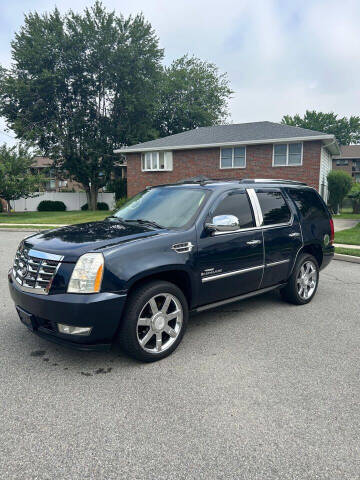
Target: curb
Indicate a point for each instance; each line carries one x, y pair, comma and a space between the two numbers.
346, 258
30, 230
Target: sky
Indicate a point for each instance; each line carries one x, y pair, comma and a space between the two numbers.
281, 56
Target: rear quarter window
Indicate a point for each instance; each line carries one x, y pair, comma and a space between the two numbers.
309, 204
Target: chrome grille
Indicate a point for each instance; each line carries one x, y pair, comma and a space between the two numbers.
35, 270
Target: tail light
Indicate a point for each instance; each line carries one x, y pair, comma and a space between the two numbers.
332, 231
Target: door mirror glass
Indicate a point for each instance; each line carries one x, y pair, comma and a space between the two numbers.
223, 223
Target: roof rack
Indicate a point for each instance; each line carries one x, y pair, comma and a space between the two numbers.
271, 180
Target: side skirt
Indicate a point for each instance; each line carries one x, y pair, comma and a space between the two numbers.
236, 299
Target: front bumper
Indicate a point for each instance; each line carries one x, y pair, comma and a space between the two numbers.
101, 311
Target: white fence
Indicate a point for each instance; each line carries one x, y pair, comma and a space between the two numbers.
73, 201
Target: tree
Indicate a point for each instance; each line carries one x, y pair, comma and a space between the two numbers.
346, 130
339, 183
354, 196
81, 85
16, 180
192, 94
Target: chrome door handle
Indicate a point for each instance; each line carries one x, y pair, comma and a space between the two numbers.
253, 242
294, 234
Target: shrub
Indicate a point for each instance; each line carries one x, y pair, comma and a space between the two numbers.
119, 203
339, 186
354, 196
119, 187
100, 206
51, 206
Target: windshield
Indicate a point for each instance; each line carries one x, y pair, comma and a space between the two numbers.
167, 207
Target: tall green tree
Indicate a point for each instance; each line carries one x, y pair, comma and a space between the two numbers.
16, 179
192, 93
346, 130
339, 183
81, 85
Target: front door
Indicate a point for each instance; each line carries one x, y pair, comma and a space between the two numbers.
282, 236
230, 263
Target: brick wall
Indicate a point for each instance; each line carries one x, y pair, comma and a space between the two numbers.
206, 161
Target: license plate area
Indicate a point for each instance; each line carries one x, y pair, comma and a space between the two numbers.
26, 318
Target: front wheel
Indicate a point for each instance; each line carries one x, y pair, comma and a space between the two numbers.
155, 321
303, 282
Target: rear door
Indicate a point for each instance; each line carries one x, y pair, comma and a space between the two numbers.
282, 235
230, 263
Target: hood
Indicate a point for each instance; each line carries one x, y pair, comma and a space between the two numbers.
75, 240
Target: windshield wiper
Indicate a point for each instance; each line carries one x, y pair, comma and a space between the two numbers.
144, 222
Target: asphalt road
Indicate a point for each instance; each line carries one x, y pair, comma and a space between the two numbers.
257, 390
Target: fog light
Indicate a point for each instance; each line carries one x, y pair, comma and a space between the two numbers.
71, 330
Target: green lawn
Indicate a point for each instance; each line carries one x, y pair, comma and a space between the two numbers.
347, 251
350, 236
347, 213
65, 218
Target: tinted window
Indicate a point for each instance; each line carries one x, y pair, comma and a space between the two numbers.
236, 203
308, 204
273, 206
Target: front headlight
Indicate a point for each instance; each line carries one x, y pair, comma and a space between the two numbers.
87, 274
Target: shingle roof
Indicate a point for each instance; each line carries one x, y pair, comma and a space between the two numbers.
349, 151
224, 134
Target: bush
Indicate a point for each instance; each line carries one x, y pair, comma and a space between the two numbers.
100, 206
354, 196
119, 187
119, 203
51, 206
339, 186
1, 206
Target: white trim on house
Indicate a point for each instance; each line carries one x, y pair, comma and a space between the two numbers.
232, 166
228, 144
325, 168
168, 161
287, 155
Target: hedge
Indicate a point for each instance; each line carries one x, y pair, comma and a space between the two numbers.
51, 206
100, 206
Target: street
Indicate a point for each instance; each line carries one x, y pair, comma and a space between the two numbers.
257, 390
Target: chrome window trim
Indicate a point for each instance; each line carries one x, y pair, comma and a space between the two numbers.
259, 220
263, 227
230, 274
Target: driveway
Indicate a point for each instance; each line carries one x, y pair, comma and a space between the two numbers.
344, 223
257, 390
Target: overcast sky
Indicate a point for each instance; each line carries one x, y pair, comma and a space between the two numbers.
281, 57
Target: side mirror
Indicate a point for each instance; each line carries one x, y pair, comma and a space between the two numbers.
223, 223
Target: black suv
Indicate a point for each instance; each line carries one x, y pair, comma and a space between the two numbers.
170, 250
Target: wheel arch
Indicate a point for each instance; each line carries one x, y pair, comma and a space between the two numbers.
178, 276
315, 250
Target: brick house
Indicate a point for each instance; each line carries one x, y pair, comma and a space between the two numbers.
348, 160
247, 150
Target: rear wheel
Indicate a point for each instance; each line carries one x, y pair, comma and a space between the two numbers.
303, 282
154, 322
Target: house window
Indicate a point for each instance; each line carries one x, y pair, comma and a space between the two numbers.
156, 161
233, 157
287, 154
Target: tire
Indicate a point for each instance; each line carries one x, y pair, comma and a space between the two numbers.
150, 329
297, 285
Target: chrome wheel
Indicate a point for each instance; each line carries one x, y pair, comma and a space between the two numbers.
159, 323
307, 280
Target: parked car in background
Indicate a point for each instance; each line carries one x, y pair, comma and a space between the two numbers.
170, 250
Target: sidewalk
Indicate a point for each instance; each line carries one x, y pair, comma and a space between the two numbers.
347, 245
31, 225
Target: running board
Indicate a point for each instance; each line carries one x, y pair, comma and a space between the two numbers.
238, 298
